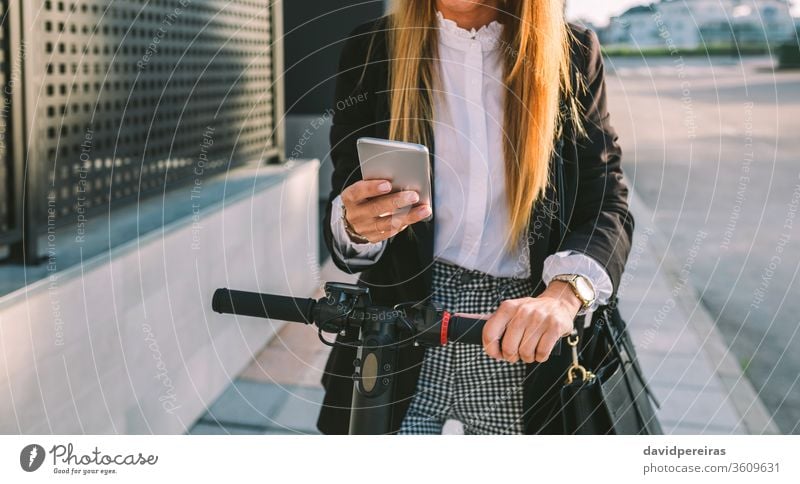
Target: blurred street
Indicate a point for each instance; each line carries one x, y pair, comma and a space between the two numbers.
712, 148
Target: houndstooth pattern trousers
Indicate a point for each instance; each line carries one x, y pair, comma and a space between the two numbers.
459, 381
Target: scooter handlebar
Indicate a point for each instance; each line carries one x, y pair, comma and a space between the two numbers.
271, 306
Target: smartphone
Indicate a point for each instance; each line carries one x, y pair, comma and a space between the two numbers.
405, 165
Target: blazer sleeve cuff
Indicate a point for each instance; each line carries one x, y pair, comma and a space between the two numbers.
353, 254
574, 262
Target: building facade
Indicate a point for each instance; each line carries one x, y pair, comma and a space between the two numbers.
698, 23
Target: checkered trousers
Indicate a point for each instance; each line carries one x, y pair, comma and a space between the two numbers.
459, 381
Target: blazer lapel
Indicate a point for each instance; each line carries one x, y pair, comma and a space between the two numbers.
540, 233
424, 231
538, 244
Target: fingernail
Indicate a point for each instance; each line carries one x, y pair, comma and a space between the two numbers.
385, 186
424, 211
412, 197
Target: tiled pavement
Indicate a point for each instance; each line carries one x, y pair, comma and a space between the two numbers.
699, 383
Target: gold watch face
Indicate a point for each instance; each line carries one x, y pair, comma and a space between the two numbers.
584, 288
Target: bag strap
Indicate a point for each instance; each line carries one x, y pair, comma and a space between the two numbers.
624, 340
621, 341
619, 345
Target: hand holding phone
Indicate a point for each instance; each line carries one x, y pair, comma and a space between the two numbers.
375, 213
394, 193
405, 165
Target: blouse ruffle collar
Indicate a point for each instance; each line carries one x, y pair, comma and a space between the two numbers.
488, 35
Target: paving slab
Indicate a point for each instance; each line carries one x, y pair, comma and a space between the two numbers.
700, 384
299, 411
246, 404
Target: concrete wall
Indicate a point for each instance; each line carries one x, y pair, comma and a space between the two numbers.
127, 343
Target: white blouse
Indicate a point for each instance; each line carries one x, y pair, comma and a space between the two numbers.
471, 215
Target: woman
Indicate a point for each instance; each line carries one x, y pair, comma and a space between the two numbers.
494, 89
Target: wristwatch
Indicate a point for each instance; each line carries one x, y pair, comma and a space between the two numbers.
580, 286
351, 232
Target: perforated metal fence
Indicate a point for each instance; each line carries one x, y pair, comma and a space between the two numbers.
6, 200
127, 98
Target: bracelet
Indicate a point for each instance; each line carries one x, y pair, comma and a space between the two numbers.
351, 232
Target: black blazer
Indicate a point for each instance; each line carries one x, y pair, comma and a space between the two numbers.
599, 223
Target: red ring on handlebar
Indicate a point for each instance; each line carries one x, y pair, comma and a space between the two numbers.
445, 324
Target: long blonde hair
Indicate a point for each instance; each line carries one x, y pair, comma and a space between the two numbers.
536, 50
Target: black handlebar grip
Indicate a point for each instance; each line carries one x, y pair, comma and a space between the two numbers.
469, 330
465, 330
263, 305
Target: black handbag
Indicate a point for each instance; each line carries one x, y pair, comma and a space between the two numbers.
605, 391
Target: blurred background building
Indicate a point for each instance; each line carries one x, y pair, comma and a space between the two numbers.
698, 23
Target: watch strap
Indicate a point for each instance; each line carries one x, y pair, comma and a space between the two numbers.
571, 280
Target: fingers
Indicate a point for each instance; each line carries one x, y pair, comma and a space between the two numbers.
546, 344
526, 327
375, 194
414, 215
380, 228
398, 220
530, 341
495, 327
364, 189
523, 329
389, 204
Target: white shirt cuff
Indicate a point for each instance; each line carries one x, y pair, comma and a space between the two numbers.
573, 262
351, 253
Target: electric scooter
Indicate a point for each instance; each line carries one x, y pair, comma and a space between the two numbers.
381, 330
